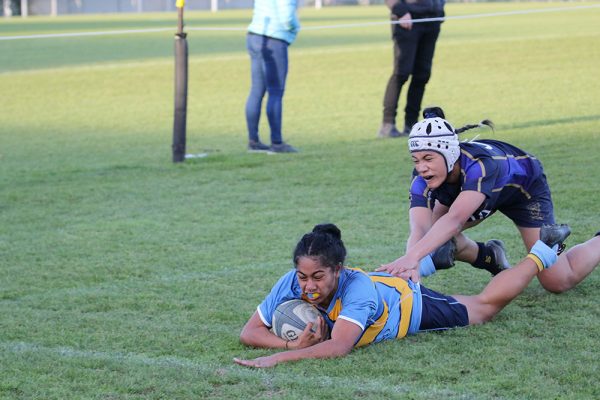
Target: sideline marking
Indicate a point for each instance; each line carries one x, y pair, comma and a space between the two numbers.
308, 28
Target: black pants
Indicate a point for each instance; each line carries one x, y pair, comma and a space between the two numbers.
413, 56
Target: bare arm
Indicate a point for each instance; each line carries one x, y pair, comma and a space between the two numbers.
447, 226
439, 210
420, 220
257, 334
343, 337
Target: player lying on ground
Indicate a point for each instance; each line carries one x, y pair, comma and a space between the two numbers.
360, 308
457, 185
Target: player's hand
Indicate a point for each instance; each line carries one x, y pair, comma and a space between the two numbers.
406, 21
411, 274
261, 362
309, 338
404, 267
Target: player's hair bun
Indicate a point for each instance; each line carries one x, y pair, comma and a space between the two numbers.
330, 229
433, 112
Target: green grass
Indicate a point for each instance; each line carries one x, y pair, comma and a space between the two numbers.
125, 276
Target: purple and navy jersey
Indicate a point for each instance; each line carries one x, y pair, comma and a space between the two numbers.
384, 307
508, 177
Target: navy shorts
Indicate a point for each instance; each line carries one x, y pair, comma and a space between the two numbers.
534, 210
440, 312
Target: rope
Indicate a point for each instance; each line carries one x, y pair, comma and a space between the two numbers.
309, 28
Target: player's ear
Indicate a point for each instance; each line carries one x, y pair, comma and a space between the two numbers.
338, 269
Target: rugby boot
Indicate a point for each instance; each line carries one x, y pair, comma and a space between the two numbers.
496, 247
443, 257
555, 234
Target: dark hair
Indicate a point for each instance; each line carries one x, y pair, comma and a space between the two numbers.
437, 112
324, 243
433, 112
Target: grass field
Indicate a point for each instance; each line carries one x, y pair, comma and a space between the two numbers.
125, 276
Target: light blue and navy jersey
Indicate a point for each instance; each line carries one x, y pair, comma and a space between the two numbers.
384, 307
508, 177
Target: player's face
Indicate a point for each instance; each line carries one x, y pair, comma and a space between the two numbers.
431, 166
317, 282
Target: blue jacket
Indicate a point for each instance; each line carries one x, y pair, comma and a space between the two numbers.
276, 19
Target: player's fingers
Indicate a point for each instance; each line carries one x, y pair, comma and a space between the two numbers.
322, 331
404, 275
308, 328
414, 275
382, 267
245, 363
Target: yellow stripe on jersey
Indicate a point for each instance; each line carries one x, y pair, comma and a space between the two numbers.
406, 300
406, 303
481, 165
372, 331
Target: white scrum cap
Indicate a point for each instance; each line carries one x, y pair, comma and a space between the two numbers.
435, 134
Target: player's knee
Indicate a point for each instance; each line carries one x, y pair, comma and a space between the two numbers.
560, 277
482, 310
558, 286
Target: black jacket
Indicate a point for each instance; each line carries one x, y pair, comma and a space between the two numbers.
416, 8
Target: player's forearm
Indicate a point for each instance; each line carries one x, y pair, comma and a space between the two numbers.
262, 338
420, 221
444, 229
327, 349
414, 237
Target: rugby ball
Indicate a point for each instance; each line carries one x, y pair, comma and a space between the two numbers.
290, 318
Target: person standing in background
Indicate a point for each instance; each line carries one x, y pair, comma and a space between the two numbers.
414, 46
273, 28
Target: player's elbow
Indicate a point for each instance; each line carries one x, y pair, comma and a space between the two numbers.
245, 338
339, 349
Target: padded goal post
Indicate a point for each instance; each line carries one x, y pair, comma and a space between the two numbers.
181, 85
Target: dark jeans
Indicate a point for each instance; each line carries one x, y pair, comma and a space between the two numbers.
413, 56
268, 67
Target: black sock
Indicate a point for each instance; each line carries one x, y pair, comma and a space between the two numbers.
486, 259
597, 233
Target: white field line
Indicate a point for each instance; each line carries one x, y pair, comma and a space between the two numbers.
198, 59
68, 352
308, 28
173, 362
457, 17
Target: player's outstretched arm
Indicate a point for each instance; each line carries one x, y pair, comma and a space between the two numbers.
447, 226
343, 337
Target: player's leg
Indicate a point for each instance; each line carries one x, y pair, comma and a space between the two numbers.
508, 284
572, 266
464, 250
490, 255
529, 236
503, 288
